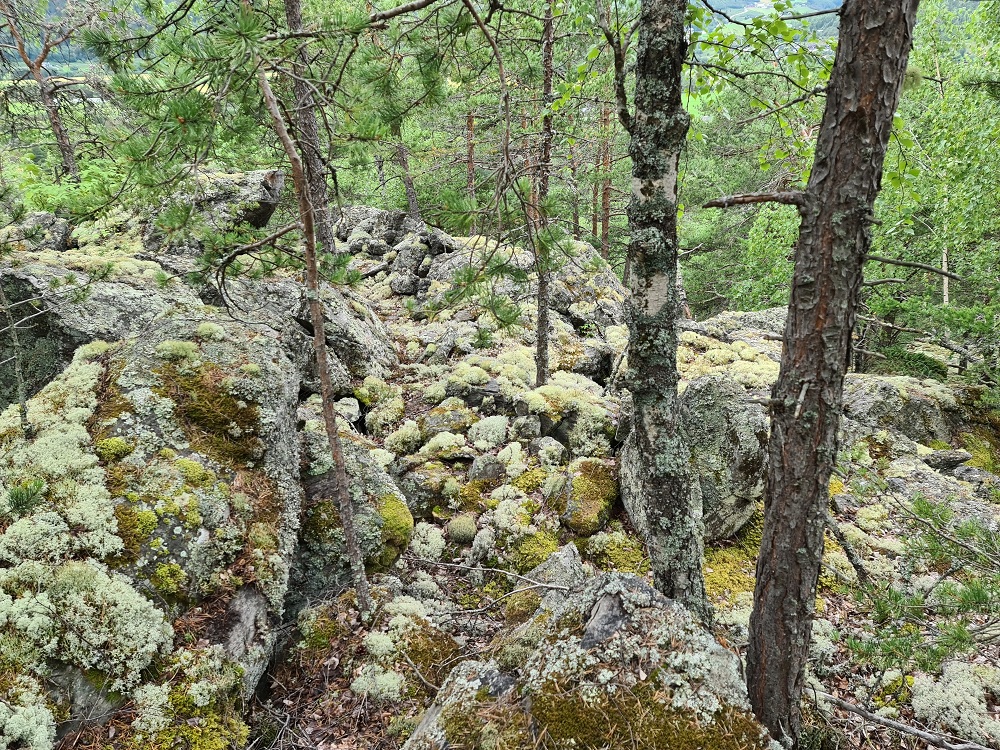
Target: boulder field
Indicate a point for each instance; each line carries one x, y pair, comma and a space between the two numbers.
172, 563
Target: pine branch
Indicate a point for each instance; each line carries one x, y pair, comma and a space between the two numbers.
911, 264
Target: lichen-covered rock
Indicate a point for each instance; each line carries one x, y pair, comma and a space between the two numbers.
923, 410
727, 437
614, 665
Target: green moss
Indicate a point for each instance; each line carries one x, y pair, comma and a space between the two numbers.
473, 495
169, 579
112, 449
729, 571
533, 550
939, 445
896, 693
194, 473
594, 491
321, 520
462, 529
134, 528
397, 528
984, 445
432, 652
641, 719
487, 725
616, 551
215, 422
530, 481
521, 606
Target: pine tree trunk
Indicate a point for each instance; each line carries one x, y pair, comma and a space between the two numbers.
543, 261
65, 146
658, 131
807, 400
380, 172
307, 132
302, 194
606, 185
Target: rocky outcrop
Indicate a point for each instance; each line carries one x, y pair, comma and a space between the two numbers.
614, 664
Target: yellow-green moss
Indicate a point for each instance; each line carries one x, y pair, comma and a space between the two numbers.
895, 693
432, 651
594, 491
939, 445
729, 571
194, 473
112, 449
134, 528
616, 551
473, 495
169, 579
985, 449
836, 486
533, 550
321, 520
530, 481
397, 528
487, 725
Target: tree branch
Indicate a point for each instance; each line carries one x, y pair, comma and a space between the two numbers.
931, 738
621, 96
911, 264
790, 198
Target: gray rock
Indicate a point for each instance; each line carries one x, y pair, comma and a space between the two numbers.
39, 231
923, 410
727, 437
487, 466
947, 460
526, 427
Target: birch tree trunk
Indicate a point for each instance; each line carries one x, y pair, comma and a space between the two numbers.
807, 400
543, 260
658, 131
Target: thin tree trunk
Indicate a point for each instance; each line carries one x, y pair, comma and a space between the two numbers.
945, 290
302, 194
380, 171
658, 131
543, 259
21, 387
470, 162
307, 131
402, 159
595, 216
807, 400
575, 189
606, 185
66, 154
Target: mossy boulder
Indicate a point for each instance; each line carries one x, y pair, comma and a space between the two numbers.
592, 491
613, 665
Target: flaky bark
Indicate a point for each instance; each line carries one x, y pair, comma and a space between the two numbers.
807, 400
302, 194
658, 130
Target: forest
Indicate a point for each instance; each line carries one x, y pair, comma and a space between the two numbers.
481, 375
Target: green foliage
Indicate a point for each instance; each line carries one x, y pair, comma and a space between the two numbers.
25, 497
922, 626
900, 361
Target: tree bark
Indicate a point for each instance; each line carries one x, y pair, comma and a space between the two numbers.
402, 159
606, 184
302, 194
543, 259
807, 400
307, 131
21, 386
658, 131
65, 146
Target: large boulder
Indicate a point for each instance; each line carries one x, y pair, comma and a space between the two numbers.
727, 438
924, 410
614, 665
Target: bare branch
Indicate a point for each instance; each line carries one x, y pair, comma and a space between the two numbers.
931, 738
790, 197
911, 264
